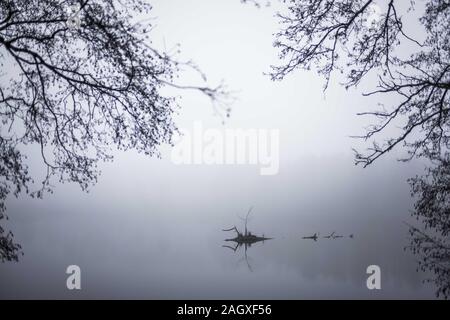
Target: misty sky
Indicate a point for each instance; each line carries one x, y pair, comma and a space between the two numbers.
151, 228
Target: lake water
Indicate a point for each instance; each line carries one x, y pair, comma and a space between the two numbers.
156, 233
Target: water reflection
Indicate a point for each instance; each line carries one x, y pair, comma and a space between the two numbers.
246, 244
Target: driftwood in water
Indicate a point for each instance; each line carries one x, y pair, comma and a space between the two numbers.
313, 237
246, 237
333, 236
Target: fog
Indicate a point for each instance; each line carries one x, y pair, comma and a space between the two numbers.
153, 229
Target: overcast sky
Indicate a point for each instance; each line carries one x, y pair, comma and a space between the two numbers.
147, 217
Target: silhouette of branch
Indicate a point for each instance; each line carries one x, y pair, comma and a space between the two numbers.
431, 243
331, 36
79, 91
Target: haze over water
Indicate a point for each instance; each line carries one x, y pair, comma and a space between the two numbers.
152, 229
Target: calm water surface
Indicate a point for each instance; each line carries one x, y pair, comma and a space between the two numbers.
158, 234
